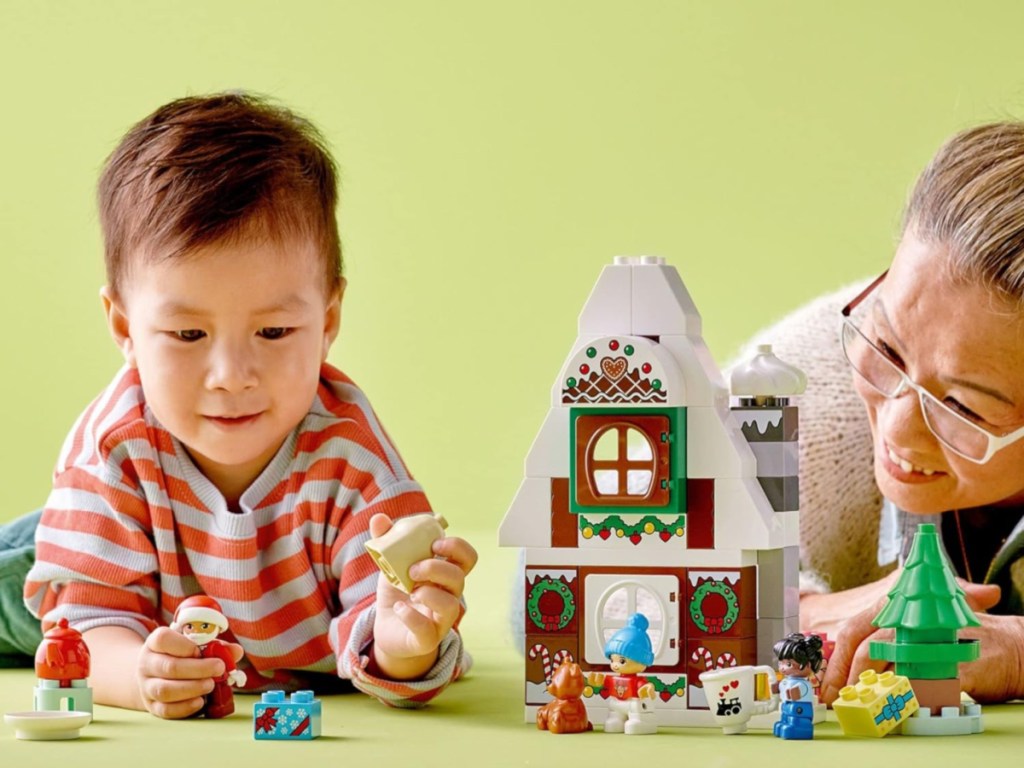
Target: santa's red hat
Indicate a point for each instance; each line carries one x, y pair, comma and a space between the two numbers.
199, 608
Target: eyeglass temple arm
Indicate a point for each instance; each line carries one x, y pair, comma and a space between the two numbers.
863, 294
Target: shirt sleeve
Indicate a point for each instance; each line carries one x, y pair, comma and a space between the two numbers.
352, 630
95, 562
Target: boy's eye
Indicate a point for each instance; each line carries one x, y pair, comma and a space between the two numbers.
190, 334
274, 333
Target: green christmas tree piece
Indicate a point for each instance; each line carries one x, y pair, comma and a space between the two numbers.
926, 608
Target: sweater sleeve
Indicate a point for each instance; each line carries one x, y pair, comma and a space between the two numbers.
95, 560
839, 500
352, 630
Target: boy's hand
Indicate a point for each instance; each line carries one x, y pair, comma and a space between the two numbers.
172, 676
408, 629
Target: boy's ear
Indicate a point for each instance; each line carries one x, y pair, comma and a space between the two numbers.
117, 324
332, 318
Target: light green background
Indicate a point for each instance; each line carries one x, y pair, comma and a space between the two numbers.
494, 156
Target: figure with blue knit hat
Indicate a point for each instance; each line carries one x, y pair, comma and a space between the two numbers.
630, 697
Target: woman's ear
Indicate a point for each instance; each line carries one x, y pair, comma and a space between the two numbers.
117, 324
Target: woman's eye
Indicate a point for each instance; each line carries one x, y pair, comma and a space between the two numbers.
274, 333
889, 352
190, 334
963, 410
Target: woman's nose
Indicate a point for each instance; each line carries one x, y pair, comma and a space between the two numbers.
903, 423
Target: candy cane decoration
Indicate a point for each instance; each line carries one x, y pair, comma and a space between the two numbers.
545, 658
703, 654
726, 659
559, 657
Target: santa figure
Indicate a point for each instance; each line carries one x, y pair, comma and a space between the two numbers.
200, 619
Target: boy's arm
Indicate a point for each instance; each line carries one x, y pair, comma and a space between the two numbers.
96, 562
409, 628
352, 632
164, 674
114, 653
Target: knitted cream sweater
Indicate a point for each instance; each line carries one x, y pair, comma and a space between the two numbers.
839, 501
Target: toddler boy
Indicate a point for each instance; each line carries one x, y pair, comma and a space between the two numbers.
227, 458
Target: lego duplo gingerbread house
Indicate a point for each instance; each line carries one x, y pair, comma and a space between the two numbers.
646, 490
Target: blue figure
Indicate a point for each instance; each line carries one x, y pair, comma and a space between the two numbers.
799, 658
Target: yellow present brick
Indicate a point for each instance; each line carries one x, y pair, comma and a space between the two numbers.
875, 705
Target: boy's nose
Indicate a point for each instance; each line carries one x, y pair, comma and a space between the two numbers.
231, 369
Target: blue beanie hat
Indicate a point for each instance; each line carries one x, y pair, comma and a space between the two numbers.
632, 641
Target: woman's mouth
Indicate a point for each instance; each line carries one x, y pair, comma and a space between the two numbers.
905, 470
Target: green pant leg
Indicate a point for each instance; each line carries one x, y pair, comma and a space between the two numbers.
19, 629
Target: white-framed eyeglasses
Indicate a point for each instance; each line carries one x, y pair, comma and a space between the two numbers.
953, 430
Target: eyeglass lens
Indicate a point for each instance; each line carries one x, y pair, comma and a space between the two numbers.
880, 372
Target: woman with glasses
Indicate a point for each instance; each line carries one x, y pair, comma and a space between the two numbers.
933, 351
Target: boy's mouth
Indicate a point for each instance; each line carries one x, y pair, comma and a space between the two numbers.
234, 421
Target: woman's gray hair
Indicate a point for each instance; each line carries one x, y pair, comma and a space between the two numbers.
970, 199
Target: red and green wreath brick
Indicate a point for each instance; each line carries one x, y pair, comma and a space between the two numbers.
721, 592
550, 604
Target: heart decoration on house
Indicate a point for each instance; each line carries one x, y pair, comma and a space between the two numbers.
613, 367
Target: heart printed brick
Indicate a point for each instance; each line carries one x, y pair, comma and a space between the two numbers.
613, 367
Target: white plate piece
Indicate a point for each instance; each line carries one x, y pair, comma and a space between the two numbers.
47, 726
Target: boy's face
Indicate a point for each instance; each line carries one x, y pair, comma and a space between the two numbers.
228, 343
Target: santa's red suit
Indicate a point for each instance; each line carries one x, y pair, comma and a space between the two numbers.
200, 609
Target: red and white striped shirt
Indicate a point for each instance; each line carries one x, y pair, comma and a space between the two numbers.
132, 528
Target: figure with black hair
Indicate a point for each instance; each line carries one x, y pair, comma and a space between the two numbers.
799, 657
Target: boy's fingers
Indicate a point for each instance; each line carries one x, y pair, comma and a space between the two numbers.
175, 691
165, 640
443, 573
237, 652
175, 668
441, 603
458, 551
416, 622
379, 525
178, 710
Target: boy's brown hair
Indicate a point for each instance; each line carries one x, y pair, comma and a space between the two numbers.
208, 169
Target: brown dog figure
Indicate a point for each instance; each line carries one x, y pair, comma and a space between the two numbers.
567, 713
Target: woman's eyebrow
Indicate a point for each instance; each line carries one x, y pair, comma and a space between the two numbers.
995, 393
